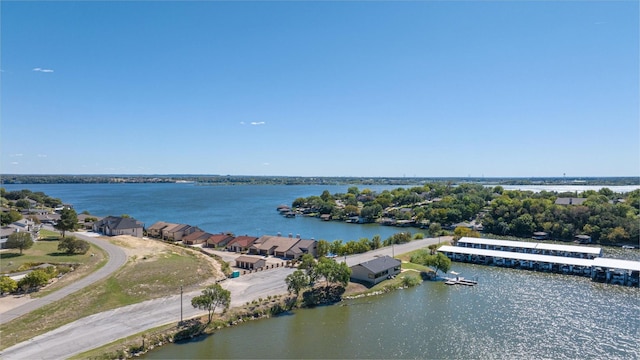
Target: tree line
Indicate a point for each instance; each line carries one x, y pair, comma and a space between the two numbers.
606, 216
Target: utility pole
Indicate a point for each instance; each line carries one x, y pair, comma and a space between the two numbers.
180, 304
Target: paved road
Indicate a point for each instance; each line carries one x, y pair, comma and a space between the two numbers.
100, 329
117, 258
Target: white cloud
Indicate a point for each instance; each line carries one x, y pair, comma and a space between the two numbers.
258, 123
42, 155
14, 163
42, 70
15, 155
265, 164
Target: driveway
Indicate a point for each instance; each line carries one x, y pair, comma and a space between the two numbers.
117, 258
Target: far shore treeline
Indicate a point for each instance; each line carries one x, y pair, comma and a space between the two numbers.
602, 216
301, 180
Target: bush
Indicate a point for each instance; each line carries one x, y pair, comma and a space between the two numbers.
410, 281
71, 245
7, 285
34, 280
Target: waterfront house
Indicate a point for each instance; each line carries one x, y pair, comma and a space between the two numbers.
156, 229
570, 201
250, 262
178, 231
376, 270
219, 240
241, 243
273, 245
196, 237
117, 225
303, 247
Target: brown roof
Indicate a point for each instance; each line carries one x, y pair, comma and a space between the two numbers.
249, 259
197, 235
176, 228
218, 238
280, 243
243, 241
160, 225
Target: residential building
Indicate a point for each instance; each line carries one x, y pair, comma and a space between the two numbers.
117, 225
376, 270
250, 262
241, 243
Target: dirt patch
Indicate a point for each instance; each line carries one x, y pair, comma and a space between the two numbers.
138, 247
355, 288
9, 302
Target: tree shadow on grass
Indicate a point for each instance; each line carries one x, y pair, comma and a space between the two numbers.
59, 254
50, 238
9, 255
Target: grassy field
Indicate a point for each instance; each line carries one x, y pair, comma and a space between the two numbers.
142, 278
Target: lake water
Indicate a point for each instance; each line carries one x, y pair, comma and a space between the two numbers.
509, 314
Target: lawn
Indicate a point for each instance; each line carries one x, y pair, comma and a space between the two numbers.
44, 251
140, 279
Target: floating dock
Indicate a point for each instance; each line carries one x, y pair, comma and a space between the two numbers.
461, 281
570, 260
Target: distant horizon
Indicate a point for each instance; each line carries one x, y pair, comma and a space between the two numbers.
572, 178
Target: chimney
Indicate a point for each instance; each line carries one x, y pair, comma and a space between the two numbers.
297, 236
290, 235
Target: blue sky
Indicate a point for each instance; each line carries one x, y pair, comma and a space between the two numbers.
425, 88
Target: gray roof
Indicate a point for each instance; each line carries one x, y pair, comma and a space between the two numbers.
570, 201
380, 264
119, 223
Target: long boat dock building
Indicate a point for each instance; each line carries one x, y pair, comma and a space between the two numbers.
564, 259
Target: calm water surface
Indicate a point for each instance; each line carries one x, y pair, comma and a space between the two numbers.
242, 210
510, 314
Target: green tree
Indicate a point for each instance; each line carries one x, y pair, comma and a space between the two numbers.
334, 272
19, 240
376, 243
323, 248
435, 229
371, 211
212, 297
7, 285
297, 281
68, 221
438, 261
309, 266
23, 204
71, 245
10, 217
461, 231
326, 196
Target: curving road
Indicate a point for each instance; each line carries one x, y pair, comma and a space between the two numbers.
117, 258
